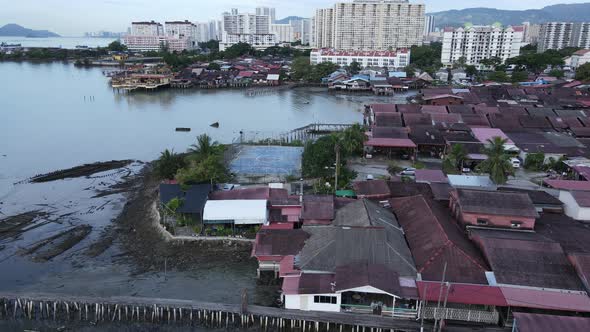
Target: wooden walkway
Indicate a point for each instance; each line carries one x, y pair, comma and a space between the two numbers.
158, 310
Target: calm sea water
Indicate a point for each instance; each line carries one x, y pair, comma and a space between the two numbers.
55, 116
63, 42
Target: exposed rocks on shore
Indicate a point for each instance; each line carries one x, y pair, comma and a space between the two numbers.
80, 171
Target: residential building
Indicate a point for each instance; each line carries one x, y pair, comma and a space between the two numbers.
477, 43
214, 30
268, 11
283, 32
151, 36
558, 35
184, 30
147, 29
306, 31
246, 28
578, 59
493, 209
370, 25
531, 33
429, 25
390, 59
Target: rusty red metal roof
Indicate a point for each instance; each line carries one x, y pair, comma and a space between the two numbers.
568, 184
278, 242
430, 176
525, 322
318, 208
546, 299
435, 239
390, 143
383, 108
462, 293
378, 189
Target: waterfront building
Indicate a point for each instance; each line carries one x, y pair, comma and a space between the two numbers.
246, 28
147, 29
558, 35
183, 30
268, 11
283, 32
390, 59
370, 25
429, 25
151, 36
480, 42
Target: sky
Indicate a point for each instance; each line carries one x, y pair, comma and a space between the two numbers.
74, 17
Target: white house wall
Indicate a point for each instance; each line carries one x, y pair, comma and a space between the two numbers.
572, 209
305, 303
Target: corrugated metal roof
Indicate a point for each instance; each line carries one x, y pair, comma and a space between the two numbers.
435, 239
547, 300
430, 176
390, 143
525, 322
318, 207
279, 242
496, 203
568, 184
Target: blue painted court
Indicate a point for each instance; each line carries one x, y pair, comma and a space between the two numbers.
267, 160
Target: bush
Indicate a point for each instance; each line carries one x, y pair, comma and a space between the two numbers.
534, 161
419, 165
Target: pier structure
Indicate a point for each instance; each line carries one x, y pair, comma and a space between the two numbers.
97, 310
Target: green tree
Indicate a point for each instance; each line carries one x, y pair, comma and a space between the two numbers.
534, 161
214, 66
352, 140
427, 57
471, 71
557, 73
354, 68
453, 162
497, 164
519, 76
301, 68
498, 76
410, 71
168, 164
116, 46
238, 50
583, 72
461, 62
210, 169
204, 147
321, 70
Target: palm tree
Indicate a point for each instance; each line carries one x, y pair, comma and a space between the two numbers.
455, 158
204, 147
352, 140
168, 164
498, 163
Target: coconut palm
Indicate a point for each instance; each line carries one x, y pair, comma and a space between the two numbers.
204, 147
168, 164
455, 158
498, 164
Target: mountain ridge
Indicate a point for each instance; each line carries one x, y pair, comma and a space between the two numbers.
486, 16
15, 30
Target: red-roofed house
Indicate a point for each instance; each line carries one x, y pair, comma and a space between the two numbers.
444, 99
493, 209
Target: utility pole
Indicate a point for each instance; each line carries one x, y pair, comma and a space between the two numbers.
448, 285
337, 150
440, 292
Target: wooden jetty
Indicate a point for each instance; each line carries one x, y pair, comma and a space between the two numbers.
38, 306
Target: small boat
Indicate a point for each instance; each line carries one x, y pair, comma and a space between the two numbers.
215, 125
183, 129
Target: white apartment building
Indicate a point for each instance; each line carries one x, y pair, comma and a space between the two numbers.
268, 11
558, 35
370, 25
155, 43
184, 30
578, 59
306, 31
147, 29
389, 59
480, 42
531, 33
284, 32
151, 36
323, 26
246, 28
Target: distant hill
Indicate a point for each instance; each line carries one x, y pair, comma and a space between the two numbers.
15, 30
289, 18
487, 16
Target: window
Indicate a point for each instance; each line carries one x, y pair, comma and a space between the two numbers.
482, 222
325, 299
